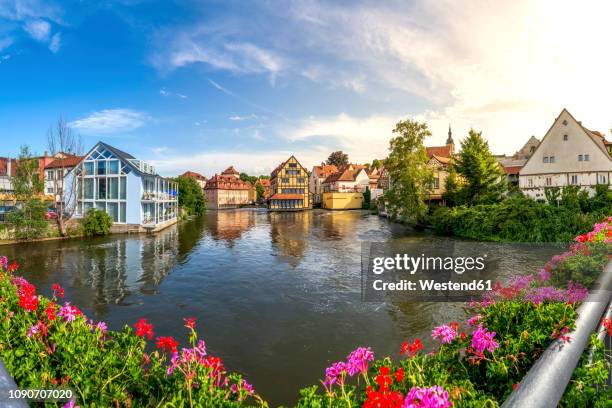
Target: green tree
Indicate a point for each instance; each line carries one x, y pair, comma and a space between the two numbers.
28, 217
482, 178
367, 198
376, 164
260, 191
246, 177
96, 222
338, 159
408, 171
191, 198
553, 195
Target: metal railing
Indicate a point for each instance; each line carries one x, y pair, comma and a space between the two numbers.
7, 383
544, 384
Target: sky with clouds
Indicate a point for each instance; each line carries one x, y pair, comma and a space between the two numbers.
200, 85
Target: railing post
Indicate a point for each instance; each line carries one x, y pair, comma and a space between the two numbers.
544, 384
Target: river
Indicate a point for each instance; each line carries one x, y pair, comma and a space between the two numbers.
277, 295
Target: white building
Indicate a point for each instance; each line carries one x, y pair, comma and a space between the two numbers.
316, 179
569, 154
128, 189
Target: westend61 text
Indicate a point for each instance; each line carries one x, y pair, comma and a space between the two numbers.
430, 284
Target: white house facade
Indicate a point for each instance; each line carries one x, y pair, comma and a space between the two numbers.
569, 154
128, 189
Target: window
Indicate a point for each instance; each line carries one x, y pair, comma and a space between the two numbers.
113, 211
565, 137
101, 189
49, 190
300, 180
285, 180
113, 167
548, 181
88, 168
436, 183
579, 157
50, 175
586, 157
122, 187
551, 159
292, 164
602, 179
574, 179
88, 188
101, 167
545, 160
113, 185
564, 122
530, 182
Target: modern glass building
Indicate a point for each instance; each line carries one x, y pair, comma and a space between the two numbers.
128, 189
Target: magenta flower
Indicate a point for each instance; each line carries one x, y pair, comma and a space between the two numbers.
33, 330
358, 361
3, 262
482, 340
444, 333
68, 312
70, 404
474, 319
335, 373
102, 326
422, 397
543, 275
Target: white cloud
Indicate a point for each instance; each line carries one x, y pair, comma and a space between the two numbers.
239, 118
55, 43
5, 42
164, 92
38, 30
110, 121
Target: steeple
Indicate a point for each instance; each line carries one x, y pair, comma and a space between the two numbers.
450, 141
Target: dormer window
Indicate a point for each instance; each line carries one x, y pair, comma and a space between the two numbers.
565, 137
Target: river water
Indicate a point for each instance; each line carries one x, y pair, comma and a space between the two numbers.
277, 295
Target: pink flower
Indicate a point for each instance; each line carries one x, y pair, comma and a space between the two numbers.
335, 372
422, 397
482, 340
68, 312
102, 326
445, 333
358, 360
3, 262
474, 319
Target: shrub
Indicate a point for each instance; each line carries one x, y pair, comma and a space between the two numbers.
96, 222
28, 219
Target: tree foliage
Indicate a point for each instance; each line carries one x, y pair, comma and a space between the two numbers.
481, 179
28, 217
409, 173
191, 198
338, 159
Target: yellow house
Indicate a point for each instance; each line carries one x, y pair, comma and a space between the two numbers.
343, 190
289, 185
335, 200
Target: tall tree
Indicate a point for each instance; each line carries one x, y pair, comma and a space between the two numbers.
409, 173
28, 217
482, 178
61, 142
191, 198
338, 159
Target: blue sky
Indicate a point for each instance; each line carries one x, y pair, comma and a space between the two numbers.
202, 85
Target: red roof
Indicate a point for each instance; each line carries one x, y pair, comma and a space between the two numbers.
230, 170
66, 162
346, 173
263, 182
194, 175
442, 151
287, 197
512, 169
225, 182
324, 170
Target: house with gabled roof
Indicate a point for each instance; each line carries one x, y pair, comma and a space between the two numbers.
126, 188
439, 162
227, 190
317, 176
569, 154
289, 187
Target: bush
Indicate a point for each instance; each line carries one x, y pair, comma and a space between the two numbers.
191, 198
28, 220
96, 222
516, 219
45, 345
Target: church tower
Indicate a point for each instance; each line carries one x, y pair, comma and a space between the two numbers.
450, 142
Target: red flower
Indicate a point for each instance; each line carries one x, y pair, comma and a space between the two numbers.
383, 398
144, 329
607, 325
515, 386
411, 349
383, 379
167, 343
27, 298
190, 322
399, 375
58, 291
50, 311
12, 267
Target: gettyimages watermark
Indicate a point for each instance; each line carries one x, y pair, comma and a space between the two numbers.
444, 271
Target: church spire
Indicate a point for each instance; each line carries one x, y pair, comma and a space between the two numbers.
450, 141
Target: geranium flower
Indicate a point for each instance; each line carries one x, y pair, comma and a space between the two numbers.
482, 340
335, 373
102, 327
358, 361
3, 262
422, 397
190, 322
444, 333
69, 312
38, 330
144, 329
58, 291
12, 267
167, 343
474, 319
50, 311
411, 349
